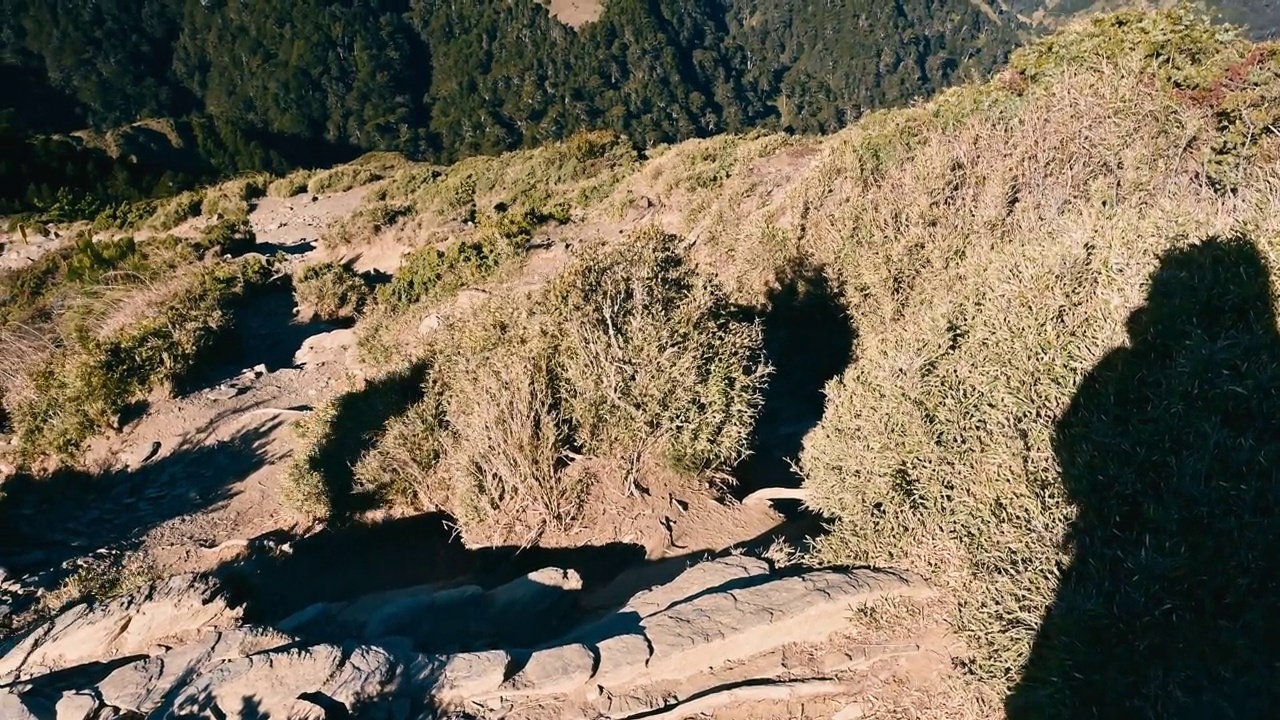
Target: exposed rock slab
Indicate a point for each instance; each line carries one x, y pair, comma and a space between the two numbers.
145, 686
178, 608
715, 613
12, 707
297, 683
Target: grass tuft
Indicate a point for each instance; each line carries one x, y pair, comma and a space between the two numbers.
631, 355
84, 386
331, 291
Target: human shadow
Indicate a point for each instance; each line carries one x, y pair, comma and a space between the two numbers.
358, 419
1170, 450
47, 520
809, 340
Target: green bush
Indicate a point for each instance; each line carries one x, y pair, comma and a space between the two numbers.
331, 290
176, 210
429, 273
84, 386
72, 269
233, 236
124, 216
652, 358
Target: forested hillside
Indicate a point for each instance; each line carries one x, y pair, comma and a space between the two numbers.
267, 84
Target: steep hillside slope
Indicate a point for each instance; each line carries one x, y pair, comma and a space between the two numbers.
1019, 340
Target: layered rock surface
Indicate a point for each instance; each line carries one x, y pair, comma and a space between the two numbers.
178, 650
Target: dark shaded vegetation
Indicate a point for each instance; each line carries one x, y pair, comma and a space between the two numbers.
1170, 451
267, 85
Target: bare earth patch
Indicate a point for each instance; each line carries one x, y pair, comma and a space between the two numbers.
576, 13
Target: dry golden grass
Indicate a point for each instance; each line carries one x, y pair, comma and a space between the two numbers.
368, 168
991, 246
83, 382
230, 200
295, 183
630, 355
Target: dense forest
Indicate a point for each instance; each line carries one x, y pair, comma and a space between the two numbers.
270, 84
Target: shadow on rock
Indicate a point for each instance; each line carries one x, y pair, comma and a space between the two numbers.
396, 563
809, 340
412, 578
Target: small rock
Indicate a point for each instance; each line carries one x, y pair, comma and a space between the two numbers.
852, 712
554, 671
324, 347
466, 675
313, 198
430, 323
142, 454
76, 706
223, 392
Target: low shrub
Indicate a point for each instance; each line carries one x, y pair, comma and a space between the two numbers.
320, 480
176, 210
429, 272
232, 236
331, 291
124, 216
652, 358
30, 290
630, 354
85, 385
368, 168
295, 183
365, 223
231, 199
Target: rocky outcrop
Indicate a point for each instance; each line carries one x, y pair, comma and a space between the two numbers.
177, 651
175, 611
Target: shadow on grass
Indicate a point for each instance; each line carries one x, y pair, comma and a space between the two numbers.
265, 331
809, 340
359, 417
1171, 451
